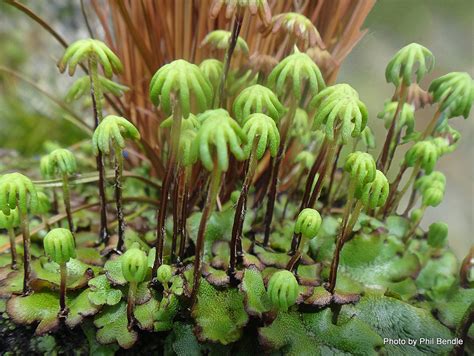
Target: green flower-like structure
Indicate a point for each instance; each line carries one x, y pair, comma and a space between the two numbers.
257, 99
82, 87
291, 74
454, 92
411, 59
283, 290
84, 49
60, 247
186, 82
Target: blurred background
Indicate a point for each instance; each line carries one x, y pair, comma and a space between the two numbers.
28, 118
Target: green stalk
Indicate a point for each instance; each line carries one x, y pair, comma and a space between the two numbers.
67, 202
118, 168
276, 169
241, 209
212, 193
96, 94
25, 228
62, 291
169, 178
11, 235
132, 289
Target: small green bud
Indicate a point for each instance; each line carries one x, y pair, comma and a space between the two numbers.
423, 152
416, 215
375, 193
283, 290
164, 274
437, 234
134, 265
361, 167
308, 223
9, 221
44, 205
432, 196
59, 245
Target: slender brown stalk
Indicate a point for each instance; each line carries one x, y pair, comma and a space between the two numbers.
413, 228
236, 26
401, 194
413, 198
25, 228
132, 289
241, 209
177, 209
276, 169
346, 228
382, 161
169, 178
431, 126
11, 235
67, 202
324, 173
184, 213
118, 169
212, 194
393, 191
312, 173
96, 95
333, 174
62, 290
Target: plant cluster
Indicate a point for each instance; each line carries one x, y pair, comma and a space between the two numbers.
269, 217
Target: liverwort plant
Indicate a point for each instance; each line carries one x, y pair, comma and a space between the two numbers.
454, 93
174, 87
93, 52
163, 275
283, 290
306, 227
371, 195
342, 115
423, 155
134, 264
60, 247
262, 134
185, 160
109, 137
10, 222
410, 62
62, 163
257, 99
19, 192
218, 133
431, 188
289, 78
